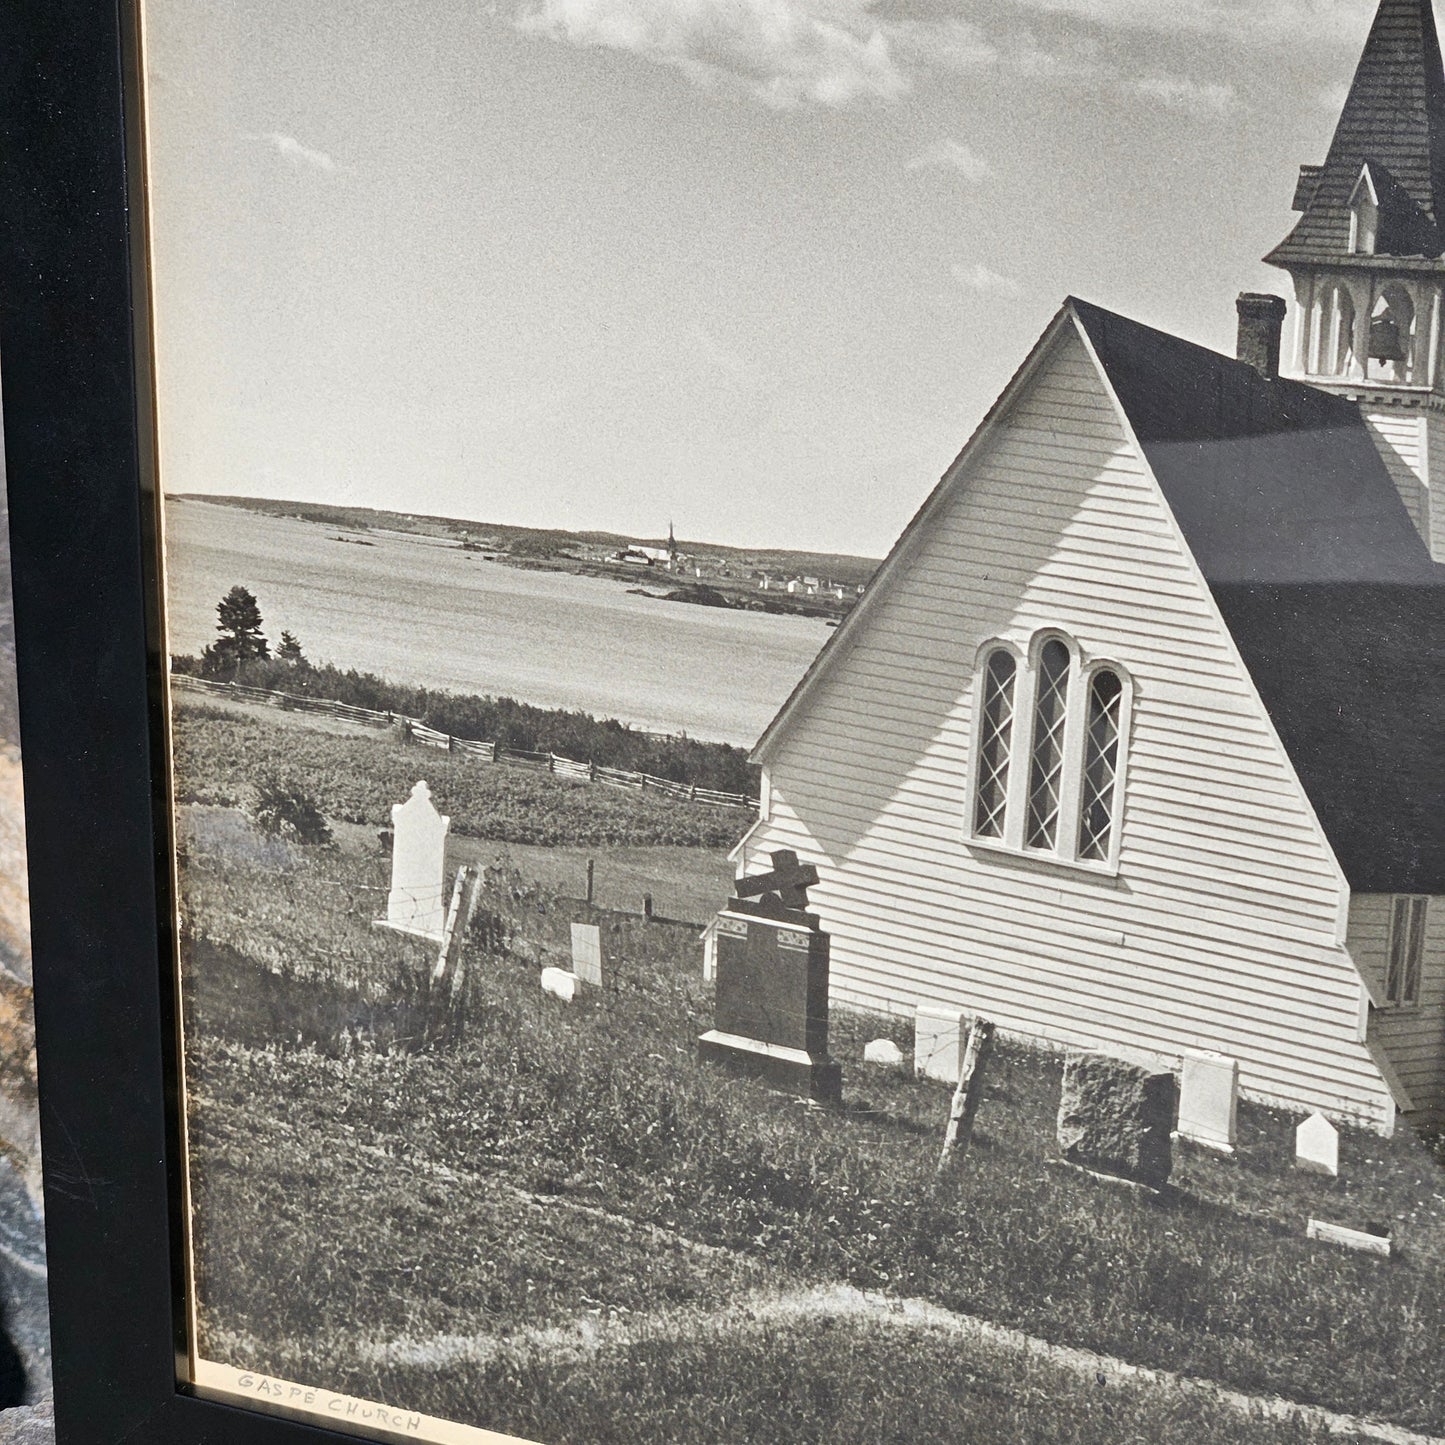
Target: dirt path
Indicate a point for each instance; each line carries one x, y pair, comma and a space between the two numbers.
586, 1337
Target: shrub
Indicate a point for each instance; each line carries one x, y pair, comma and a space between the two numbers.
284, 811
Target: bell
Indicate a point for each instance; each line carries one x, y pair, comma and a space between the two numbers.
1385, 340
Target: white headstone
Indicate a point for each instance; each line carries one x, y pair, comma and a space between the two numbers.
882, 1051
559, 983
939, 1035
1317, 1146
417, 903
587, 953
1208, 1100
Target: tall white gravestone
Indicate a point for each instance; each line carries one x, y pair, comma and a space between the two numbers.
1208, 1100
417, 901
938, 1041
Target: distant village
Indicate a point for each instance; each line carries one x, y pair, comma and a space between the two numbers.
673, 560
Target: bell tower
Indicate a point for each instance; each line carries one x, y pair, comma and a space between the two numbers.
1367, 257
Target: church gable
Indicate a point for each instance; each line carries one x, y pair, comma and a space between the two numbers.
1213, 905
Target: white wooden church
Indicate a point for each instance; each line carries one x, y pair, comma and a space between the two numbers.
1137, 742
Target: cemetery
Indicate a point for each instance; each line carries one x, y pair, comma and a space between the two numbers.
536, 1134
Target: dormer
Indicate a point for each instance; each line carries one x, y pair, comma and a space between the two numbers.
1364, 214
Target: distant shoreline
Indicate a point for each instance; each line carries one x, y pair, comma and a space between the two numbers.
825, 585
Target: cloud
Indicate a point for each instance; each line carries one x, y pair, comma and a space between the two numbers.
953, 155
788, 52
1180, 93
988, 283
1242, 20
291, 149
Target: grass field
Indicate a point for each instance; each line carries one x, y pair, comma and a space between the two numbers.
565, 1227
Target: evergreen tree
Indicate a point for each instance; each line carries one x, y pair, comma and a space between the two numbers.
290, 650
238, 620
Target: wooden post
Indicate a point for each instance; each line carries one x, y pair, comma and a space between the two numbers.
591, 864
647, 906
969, 1093
449, 975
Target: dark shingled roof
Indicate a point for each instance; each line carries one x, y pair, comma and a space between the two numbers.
1394, 118
1327, 588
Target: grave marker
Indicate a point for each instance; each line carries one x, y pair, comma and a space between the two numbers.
1317, 1146
771, 1000
559, 983
1209, 1100
882, 1051
938, 1037
1115, 1117
587, 960
969, 1093
416, 903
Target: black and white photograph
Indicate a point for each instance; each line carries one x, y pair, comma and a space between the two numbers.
805, 663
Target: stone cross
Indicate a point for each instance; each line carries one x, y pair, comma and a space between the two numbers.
587, 957
1317, 1146
417, 902
789, 881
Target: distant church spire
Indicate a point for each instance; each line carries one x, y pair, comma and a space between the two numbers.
1366, 261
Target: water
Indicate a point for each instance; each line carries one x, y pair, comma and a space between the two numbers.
415, 610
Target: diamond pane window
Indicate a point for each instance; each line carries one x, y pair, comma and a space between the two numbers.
1101, 766
1046, 765
1407, 950
995, 736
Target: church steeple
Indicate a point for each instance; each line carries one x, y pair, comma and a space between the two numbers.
1392, 129
1367, 256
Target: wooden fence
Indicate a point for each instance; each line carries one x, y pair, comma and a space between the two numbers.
429, 737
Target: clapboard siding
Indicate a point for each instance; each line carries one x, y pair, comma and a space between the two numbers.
1413, 1038
1222, 928
1399, 437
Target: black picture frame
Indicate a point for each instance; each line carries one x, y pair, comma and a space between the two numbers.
77, 425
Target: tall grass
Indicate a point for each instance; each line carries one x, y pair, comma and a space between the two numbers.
355, 1169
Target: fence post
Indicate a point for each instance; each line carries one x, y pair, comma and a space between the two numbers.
551, 762
590, 866
692, 793
451, 743
591, 770
647, 906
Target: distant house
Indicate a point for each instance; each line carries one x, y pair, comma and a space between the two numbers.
1135, 742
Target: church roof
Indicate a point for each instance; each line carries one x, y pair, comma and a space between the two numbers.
1326, 587
1394, 120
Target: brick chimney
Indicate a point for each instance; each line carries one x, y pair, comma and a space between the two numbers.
1261, 320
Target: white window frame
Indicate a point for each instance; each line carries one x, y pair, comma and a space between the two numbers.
1412, 911
1082, 668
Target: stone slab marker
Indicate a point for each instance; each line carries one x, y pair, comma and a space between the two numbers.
417, 901
1116, 1116
938, 1041
1209, 1100
1317, 1146
882, 1051
587, 958
559, 983
771, 1002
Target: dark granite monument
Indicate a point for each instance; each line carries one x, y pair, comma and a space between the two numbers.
771, 1011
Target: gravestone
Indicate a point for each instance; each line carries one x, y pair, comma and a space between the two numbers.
559, 983
416, 903
771, 1001
938, 1035
882, 1051
587, 961
1115, 1117
1209, 1100
1317, 1146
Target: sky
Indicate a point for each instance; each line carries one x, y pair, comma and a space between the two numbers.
754, 267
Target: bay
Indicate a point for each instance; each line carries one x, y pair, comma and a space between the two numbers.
421, 611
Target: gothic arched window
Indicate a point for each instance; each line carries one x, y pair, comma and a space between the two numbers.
1046, 759
995, 741
1048, 756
